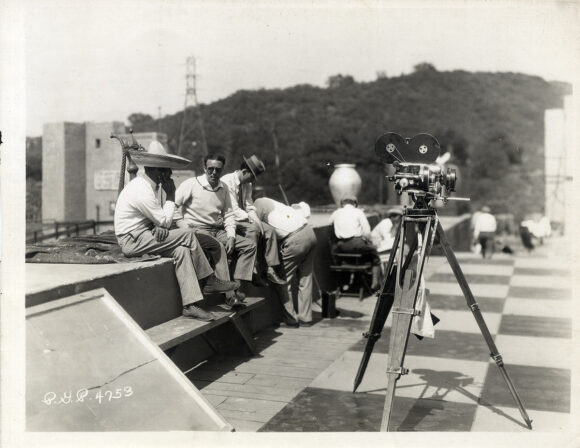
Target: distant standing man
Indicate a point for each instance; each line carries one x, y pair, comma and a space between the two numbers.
248, 224
297, 242
484, 231
142, 227
203, 204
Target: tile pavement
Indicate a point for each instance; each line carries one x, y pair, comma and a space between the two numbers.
302, 379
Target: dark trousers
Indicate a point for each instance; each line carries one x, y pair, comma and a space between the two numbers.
359, 245
487, 242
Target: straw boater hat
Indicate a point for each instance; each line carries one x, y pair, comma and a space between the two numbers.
255, 165
157, 157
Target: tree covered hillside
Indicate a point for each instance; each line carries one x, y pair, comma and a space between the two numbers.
492, 123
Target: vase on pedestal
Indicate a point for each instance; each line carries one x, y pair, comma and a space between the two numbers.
344, 181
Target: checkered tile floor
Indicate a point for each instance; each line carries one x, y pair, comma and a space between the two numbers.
452, 384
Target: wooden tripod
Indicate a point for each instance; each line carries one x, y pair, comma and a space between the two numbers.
413, 243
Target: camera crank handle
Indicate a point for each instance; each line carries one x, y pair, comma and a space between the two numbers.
456, 199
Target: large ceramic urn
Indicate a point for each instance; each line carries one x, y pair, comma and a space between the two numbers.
344, 181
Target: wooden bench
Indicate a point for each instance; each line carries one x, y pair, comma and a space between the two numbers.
175, 331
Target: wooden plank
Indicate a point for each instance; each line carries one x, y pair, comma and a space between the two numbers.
181, 329
349, 267
251, 390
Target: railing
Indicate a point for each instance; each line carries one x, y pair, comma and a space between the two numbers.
64, 228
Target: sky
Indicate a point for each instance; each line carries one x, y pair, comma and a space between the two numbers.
101, 61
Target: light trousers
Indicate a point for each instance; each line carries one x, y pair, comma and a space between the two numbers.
245, 251
298, 262
250, 230
190, 262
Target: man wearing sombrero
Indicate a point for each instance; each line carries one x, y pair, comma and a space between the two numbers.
248, 224
142, 227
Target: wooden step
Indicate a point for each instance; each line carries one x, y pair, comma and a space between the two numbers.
181, 329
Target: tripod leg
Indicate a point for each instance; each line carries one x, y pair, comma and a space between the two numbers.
403, 313
381, 311
398, 343
473, 305
384, 300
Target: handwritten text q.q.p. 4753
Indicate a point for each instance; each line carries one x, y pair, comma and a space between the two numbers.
82, 395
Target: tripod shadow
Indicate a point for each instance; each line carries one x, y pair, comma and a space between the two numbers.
444, 382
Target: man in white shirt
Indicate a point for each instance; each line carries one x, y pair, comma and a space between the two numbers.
142, 227
353, 234
203, 204
383, 234
484, 231
297, 241
248, 224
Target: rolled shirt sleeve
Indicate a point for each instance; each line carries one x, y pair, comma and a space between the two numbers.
182, 196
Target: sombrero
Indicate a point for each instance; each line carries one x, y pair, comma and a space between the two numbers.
157, 157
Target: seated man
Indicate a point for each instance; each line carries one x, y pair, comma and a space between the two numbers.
297, 242
383, 234
248, 224
353, 232
203, 204
142, 227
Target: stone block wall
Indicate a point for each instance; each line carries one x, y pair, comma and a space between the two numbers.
63, 167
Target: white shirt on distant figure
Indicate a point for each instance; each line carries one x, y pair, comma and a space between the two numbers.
234, 185
486, 222
350, 222
382, 237
283, 218
138, 208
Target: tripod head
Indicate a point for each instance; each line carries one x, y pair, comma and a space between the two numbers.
416, 169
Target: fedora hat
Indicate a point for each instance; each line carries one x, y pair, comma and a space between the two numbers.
157, 157
255, 165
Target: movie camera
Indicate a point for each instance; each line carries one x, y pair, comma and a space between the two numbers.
416, 170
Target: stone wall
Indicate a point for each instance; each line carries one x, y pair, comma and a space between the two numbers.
63, 167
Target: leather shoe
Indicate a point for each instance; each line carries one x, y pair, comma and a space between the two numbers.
259, 281
273, 277
291, 323
215, 285
195, 312
306, 324
240, 295
234, 302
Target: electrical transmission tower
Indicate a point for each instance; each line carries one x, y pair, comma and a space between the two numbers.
191, 110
